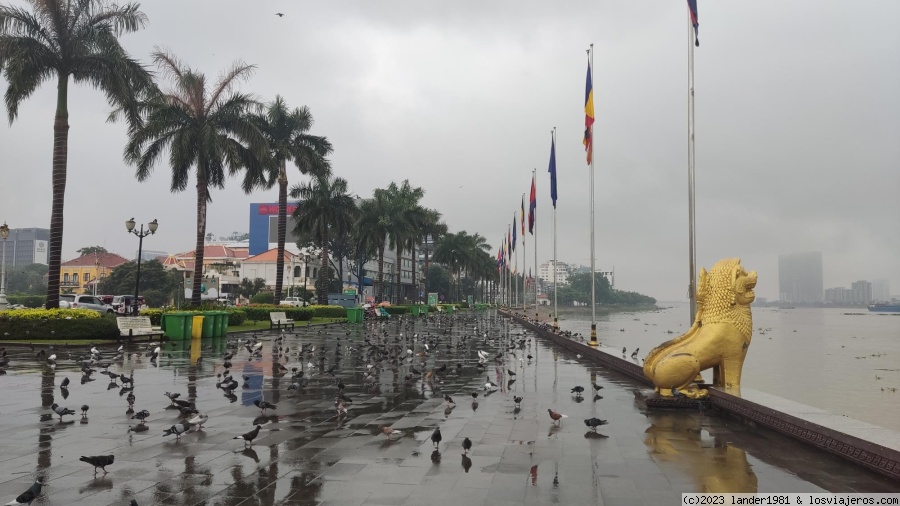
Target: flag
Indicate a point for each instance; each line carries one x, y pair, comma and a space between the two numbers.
508, 241
552, 171
531, 207
522, 219
692, 6
514, 233
589, 116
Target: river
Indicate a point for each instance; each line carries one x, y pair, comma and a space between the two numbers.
845, 361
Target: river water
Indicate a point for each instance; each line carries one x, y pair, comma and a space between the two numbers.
845, 361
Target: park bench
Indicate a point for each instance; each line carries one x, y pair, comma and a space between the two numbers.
280, 320
130, 326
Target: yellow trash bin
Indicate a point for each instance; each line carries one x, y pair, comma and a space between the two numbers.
197, 327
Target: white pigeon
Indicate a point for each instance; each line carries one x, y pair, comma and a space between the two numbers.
257, 345
94, 350
157, 350
52, 358
199, 420
121, 348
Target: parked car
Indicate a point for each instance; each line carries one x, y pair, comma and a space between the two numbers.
107, 299
293, 301
124, 304
70, 301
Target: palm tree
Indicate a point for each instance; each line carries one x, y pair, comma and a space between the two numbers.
77, 39
325, 210
286, 131
202, 128
452, 251
410, 217
431, 227
373, 229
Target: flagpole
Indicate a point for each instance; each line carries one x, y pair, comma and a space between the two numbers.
516, 281
534, 182
692, 240
524, 264
555, 308
593, 341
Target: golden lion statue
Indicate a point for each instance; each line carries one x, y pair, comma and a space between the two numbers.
719, 337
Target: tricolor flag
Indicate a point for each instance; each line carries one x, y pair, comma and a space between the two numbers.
514, 233
692, 6
531, 207
552, 170
522, 219
589, 116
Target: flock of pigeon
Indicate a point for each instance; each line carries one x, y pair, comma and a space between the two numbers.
406, 353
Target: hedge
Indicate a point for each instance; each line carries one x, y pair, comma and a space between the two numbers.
48, 314
260, 312
263, 298
59, 327
32, 301
329, 311
397, 309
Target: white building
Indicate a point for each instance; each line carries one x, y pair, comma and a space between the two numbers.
545, 272
881, 290
299, 270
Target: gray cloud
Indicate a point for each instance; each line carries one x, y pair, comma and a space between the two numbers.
797, 127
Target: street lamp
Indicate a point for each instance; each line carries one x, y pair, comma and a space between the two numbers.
291, 294
306, 272
152, 226
4, 234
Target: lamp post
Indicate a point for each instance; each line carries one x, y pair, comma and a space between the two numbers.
306, 272
4, 234
96, 271
151, 229
291, 292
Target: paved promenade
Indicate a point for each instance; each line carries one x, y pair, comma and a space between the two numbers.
306, 453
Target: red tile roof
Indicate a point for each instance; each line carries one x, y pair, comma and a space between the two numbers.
108, 260
269, 256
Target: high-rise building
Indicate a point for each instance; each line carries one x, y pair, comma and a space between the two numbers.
26, 246
881, 290
862, 292
545, 272
800, 277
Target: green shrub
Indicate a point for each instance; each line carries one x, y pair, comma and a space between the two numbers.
89, 328
236, 316
154, 314
260, 312
263, 298
45, 314
329, 311
32, 301
397, 309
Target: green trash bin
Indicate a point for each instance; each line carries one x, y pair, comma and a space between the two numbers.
225, 316
449, 308
209, 323
355, 314
219, 319
177, 325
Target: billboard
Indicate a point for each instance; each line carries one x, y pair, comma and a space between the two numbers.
40, 252
264, 226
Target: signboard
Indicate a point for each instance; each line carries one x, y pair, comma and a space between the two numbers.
349, 291
209, 288
40, 252
470, 300
432, 299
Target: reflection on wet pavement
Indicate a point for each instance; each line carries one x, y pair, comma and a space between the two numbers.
306, 453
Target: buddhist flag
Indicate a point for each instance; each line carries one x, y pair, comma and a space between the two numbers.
692, 6
531, 207
552, 170
589, 116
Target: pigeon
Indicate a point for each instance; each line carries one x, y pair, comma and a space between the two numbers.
100, 461
436, 437
624, 350
449, 400
130, 399
133, 503
467, 445
172, 396
595, 422
198, 420
509, 372
178, 430
387, 431
29, 495
263, 405
635, 354
596, 386
84, 410
141, 415
517, 400
556, 416
60, 410
279, 14
474, 395
182, 404
65, 383
490, 385
250, 436
577, 389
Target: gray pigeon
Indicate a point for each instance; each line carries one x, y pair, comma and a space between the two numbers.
199, 420
250, 436
263, 405
60, 410
100, 461
29, 495
178, 430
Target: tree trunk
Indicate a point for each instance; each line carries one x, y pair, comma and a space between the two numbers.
202, 197
379, 297
282, 229
324, 272
415, 285
60, 161
397, 300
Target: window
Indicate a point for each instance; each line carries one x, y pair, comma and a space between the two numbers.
307, 272
66, 278
75, 278
297, 271
87, 277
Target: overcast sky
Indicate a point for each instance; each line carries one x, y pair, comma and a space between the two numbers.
798, 126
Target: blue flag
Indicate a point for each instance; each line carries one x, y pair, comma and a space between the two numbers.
552, 171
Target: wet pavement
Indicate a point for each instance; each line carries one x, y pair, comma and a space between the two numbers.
306, 453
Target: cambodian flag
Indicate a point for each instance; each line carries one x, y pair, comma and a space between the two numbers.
692, 5
531, 207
